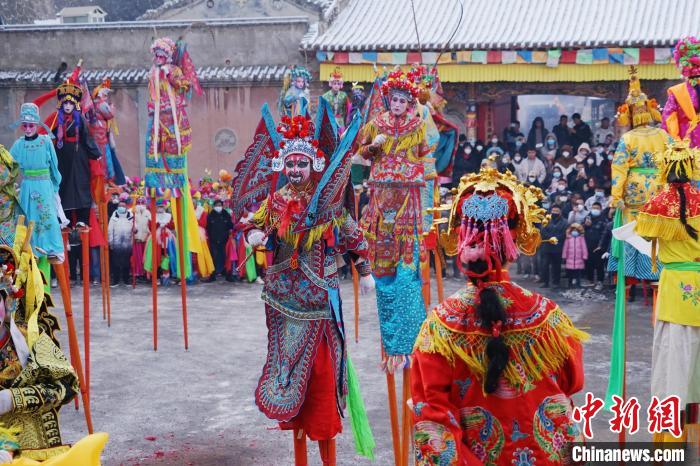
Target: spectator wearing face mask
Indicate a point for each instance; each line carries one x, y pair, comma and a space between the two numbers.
219, 227
113, 204
494, 147
575, 253
561, 198
531, 164
566, 161
578, 178
553, 181
551, 254
506, 164
467, 160
582, 153
581, 133
603, 131
579, 213
549, 151
605, 170
538, 133
120, 232
595, 227
598, 197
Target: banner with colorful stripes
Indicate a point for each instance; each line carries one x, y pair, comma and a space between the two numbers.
550, 58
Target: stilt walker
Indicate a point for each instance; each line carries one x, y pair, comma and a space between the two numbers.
395, 143
307, 378
681, 115
671, 220
168, 142
634, 181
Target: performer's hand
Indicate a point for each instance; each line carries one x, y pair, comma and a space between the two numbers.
5, 457
6, 404
379, 140
166, 69
256, 238
366, 284
620, 204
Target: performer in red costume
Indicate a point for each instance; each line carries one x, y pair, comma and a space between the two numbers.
495, 364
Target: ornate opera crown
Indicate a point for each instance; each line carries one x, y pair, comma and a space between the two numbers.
497, 208
69, 92
297, 134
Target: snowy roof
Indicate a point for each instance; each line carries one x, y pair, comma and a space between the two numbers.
239, 74
372, 25
81, 10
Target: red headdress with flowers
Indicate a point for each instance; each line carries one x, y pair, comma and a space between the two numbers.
687, 56
399, 82
298, 138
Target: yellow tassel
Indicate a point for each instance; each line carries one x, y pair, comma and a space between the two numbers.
537, 359
671, 229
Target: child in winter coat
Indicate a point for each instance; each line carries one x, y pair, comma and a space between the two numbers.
575, 254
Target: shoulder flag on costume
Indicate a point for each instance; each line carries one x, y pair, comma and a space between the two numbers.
254, 176
326, 132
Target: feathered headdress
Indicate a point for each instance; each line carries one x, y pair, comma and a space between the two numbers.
299, 71
687, 57
298, 138
638, 109
336, 75
496, 211
103, 88
164, 47
399, 82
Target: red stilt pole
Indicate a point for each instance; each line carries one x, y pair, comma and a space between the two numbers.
154, 272
327, 450
107, 274
64, 293
406, 414
300, 455
84, 235
76, 362
183, 280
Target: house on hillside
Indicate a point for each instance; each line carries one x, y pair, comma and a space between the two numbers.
82, 14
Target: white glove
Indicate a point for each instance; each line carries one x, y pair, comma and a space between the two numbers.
379, 140
6, 404
605, 255
5, 457
256, 238
366, 284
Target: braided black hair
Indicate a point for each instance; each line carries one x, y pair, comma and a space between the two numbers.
491, 311
677, 180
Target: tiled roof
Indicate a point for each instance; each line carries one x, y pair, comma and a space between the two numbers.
209, 74
376, 25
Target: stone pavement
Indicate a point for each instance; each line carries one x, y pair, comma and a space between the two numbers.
196, 407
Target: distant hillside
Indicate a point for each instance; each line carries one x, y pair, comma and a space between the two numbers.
23, 12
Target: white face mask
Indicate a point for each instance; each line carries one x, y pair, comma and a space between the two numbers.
479, 147
218, 208
566, 153
579, 207
531, 179
517, 158
494, 141
468, 150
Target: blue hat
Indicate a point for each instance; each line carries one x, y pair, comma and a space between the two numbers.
29, 113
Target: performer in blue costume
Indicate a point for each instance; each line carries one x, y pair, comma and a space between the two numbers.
41, 180
296, 97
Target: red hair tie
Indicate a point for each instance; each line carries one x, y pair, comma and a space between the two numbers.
496, 330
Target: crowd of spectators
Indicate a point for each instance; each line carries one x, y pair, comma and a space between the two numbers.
572, 165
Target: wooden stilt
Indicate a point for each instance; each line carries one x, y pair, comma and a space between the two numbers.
406, 414
327, 450
183, 279
107, 269
154, 272
64, 286
300, 455
66, 270
394, 418
356, 290
102, 282
438, 276
425, 272
84, 236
